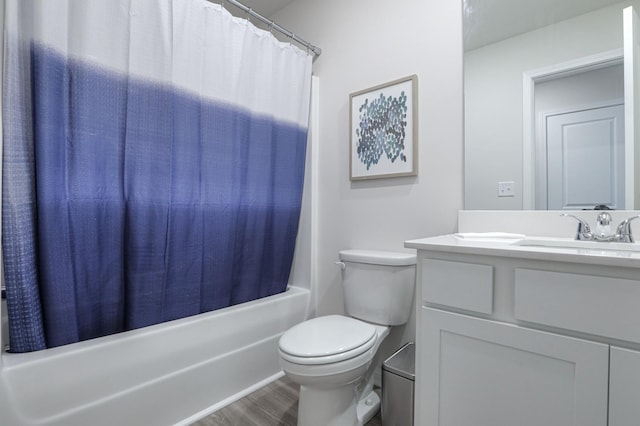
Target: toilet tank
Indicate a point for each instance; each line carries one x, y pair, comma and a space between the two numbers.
378, 285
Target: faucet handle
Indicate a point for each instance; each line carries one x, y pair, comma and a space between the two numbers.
584, 230
623, 232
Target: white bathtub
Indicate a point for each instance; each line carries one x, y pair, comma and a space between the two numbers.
171, 373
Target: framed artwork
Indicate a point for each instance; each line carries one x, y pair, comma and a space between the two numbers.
384, 130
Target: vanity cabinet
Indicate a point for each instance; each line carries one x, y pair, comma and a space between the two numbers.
516, 337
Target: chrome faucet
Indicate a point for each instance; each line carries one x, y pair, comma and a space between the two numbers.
603, 225
603, 231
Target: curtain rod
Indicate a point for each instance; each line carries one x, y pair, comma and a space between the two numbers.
272, 25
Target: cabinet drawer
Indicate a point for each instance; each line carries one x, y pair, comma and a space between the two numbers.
602, 306
460, 285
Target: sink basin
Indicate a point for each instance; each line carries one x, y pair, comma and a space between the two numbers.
575, 244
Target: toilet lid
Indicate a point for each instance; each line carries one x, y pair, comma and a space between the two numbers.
334, 337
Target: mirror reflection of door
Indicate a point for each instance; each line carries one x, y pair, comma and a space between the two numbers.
580, 140
585, 158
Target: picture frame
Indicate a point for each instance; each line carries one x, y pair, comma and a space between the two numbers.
383, 138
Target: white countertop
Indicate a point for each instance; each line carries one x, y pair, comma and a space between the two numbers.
504, 247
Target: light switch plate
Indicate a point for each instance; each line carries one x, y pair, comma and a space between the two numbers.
505, 189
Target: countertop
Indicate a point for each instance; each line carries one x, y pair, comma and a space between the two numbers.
504, 247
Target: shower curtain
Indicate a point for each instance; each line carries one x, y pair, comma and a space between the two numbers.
153, 161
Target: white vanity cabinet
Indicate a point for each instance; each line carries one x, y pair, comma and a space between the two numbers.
525, 337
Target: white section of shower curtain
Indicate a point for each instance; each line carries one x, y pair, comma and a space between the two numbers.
139, 38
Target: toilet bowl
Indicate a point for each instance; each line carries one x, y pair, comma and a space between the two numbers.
331, 357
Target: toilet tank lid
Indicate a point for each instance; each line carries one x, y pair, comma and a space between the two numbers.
378, 257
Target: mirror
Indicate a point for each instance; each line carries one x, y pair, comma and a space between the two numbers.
527, 62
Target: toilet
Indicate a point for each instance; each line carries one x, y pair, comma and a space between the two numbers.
331, 357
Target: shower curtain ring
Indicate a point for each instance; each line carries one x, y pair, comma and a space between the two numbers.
271, 27
291, 38
249, 14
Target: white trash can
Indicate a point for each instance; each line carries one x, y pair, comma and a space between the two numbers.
398, 378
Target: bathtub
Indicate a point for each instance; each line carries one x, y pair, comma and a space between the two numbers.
167, 374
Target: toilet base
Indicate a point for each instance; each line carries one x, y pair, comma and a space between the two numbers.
337, 407
327, 407
368, 407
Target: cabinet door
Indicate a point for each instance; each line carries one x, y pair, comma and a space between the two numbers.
624, 388
475, 372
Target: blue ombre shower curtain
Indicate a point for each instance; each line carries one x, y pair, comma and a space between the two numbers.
153, 161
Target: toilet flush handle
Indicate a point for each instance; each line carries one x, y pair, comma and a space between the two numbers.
342, 265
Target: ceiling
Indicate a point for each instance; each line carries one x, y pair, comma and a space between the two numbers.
485, 21
488, 21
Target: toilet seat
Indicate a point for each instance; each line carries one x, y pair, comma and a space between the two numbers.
327, 339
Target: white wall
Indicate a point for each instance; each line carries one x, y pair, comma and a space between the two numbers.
366, 43
493, 97
579, 90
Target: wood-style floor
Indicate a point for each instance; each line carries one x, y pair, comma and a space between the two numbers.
273, 405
